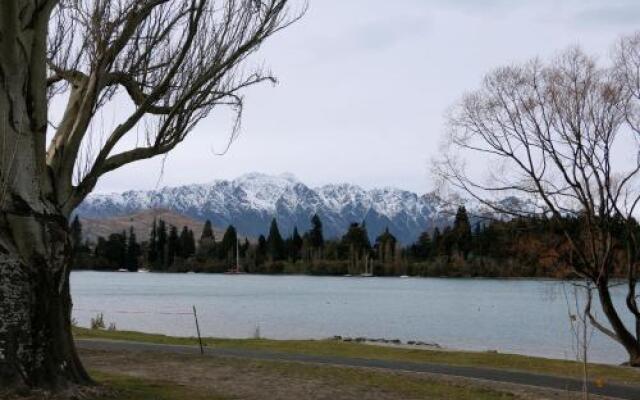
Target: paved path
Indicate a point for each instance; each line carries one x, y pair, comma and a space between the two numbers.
497, 375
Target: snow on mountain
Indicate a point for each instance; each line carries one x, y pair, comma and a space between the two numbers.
251, 201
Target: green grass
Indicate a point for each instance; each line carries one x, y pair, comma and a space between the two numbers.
598, 372
129, 388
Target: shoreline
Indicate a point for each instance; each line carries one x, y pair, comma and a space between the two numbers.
390, 344
355, 277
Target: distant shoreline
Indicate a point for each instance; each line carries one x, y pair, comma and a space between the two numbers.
504, 278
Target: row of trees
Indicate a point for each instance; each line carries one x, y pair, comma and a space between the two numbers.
166, 246
164, 249
518, 247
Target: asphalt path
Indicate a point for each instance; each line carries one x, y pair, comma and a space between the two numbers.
497, 375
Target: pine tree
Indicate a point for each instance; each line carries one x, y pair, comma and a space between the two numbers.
355, 245
100, 249
79, 250
437, 243
316, 237
207, 243
447, 242
161, 245
244, 249
187, 246
261, 250
462, 232
275, 243
132, 251
173, 246
227, 247
386, 246
152, 251
116, 250
423, 248
295, 245
76, 233
207, 231
191, 244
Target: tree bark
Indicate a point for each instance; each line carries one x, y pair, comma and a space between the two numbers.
36, 343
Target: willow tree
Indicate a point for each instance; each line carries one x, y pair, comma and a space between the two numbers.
161, 66
561, 137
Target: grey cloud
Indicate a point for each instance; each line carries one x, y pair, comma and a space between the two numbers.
615, 14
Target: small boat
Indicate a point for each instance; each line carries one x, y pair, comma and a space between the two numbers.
347, 275
123, 270
143, 270
404, 276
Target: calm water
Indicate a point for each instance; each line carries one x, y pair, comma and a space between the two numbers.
517, 316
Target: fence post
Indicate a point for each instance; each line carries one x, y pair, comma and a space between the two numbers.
195, 316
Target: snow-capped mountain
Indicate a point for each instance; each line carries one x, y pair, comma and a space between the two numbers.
251, 201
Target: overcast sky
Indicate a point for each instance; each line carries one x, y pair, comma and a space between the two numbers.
364, 85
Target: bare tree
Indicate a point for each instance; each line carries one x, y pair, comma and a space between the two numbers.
162, 66
579, 322
562, 136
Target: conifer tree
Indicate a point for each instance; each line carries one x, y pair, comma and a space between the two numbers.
447, 242
152, 251
295, 246
132, 251
173, 246
116, 250
437, 243
191, 244
207, 231
227, 247
386, 246
100, 251
261, 250
207, 243
462, 232
316, 236
275, 243
187, 245
355, 244
244, 249
161, 245
423, 247
76, 233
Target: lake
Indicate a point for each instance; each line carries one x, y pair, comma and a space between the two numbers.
512, 316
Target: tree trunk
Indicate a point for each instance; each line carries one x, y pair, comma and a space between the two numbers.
626, 338
36, 343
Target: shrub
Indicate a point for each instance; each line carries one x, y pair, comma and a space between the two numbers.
98, 322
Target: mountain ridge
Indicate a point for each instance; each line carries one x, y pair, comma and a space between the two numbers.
250, 201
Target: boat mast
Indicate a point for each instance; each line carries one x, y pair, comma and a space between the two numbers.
237, 254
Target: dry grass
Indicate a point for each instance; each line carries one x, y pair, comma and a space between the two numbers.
173, 376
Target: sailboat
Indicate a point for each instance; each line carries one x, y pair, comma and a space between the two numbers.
367, 273
236, 270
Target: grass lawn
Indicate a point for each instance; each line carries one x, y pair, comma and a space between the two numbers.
130, 388
598, 372
342, 383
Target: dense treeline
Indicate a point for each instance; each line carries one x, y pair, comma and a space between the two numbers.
164, 249
514, 248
